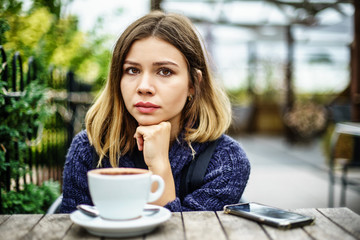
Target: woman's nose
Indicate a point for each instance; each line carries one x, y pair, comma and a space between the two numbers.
145, 85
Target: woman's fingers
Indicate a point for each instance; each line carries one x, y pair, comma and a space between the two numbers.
140, 142
153, 140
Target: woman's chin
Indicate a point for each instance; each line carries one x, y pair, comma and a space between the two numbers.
148, 122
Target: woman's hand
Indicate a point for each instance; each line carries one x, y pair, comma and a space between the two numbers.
154, 141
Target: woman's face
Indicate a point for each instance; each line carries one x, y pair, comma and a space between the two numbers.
155, 82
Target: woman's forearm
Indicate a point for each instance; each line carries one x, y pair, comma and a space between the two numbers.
169, 193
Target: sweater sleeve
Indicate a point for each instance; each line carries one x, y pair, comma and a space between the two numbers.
224, 182
78, 163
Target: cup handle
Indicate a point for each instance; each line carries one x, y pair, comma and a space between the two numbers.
160, 189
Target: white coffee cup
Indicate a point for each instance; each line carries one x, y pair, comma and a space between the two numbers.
122, 193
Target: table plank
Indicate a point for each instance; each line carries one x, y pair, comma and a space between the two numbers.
240, 228
3, 218
281, 234
323, 228
128, 238
77, 232
171, 229
51, 226
345, 217
17, 226
167, 230
202, 225
293, 234
334, 223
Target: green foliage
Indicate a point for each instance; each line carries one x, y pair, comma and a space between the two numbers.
32, 199
53, 6
320, 58
239, 96
22, 116
8, 7
4, 26
20, 119
53, 39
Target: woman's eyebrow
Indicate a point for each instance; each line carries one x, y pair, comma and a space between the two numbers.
131, 63
165, 63
161, 63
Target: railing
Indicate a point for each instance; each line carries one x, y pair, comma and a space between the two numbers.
44, 158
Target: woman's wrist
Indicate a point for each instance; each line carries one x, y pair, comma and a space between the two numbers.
164, 171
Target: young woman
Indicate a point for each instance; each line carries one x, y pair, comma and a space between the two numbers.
161, 100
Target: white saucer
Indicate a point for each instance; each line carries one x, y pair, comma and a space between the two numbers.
127, 228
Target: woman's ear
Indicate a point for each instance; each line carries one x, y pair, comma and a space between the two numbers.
199, 75
191, 91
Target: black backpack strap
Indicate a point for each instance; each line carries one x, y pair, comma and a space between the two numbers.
138, 158
193, 175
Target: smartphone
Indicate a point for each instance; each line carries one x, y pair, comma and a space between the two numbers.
272, 216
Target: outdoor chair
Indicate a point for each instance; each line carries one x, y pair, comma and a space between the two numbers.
349, 169
55, 206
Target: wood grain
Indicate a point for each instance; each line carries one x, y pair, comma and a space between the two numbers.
323, 228
330, 224
171, 229
18, 226
77, 232
202, 225
285, 234
51, 226
240, 228
344, 217
3, 218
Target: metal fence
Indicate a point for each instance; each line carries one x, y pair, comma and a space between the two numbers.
69, 100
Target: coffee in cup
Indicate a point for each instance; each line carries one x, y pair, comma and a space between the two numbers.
122, 193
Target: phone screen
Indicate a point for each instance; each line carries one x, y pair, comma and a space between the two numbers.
267, 212
269, 215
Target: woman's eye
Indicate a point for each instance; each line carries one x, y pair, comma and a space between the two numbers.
165, 72
132, 71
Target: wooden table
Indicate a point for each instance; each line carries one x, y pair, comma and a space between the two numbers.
330, 223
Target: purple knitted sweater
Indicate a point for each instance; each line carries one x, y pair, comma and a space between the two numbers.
224, 181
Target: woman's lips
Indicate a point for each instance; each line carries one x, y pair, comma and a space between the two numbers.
146, 107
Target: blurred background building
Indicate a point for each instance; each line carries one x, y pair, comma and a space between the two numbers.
285, 53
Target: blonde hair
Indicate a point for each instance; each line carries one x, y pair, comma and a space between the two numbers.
109, 125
